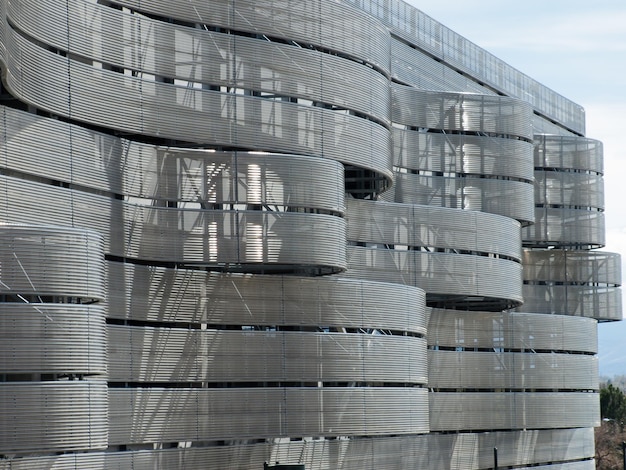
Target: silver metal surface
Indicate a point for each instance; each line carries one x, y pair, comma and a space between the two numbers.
463, 151
512, 410
168, 415
437, 250
53, 352
65, 339
254, 240
525, 332
142, 105
468, 450
156, 175
569, 194
581, 283
449, 57
156, 294
499, 115
512, 370
53, 416
235, 158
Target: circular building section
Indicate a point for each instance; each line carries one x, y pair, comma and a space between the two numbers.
53, 391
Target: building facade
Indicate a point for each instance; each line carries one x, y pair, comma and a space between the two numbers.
335, 234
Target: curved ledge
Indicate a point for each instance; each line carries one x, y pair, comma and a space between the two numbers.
573, 283
431, 229
45, 261
569, 190
469, 370
152, 294
247, 241
462, 154
202, 117
565, 227
58, 339
489, 411
568, 446
453, 255
177, 355
80, 158
513, 199
168, 415
75, 416
512, 331
568, 153
335, 26
491, 115
450, 280
198, 57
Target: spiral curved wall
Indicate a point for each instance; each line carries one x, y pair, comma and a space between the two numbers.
334, 234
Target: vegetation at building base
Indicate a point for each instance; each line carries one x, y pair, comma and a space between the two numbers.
611, 433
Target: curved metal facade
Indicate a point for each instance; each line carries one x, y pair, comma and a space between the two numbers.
53, 347
318, 242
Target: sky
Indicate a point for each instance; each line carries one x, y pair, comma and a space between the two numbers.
577, 48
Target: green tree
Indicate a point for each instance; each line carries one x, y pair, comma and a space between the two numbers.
613, 404
610, 435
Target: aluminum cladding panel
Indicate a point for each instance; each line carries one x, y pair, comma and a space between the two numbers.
167, 415
51, 261
511, 330
511, 410
500, 115
53, 416
52, 339
178, 355
168, 295
197, 57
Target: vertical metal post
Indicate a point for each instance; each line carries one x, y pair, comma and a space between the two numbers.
495, 458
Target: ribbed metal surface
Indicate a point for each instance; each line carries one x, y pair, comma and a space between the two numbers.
436, 165
570, 189
575, 267
230, 369
48, 333
254, 239
52, 338
566, 227
50, 261
463, 451
168, 415
206, 57
429, 227
558, 152
452, 255
178, 355
53, 416
446, 277
72, 154
507, 330
333, 25
463, 154
512, 410
515, 448
176, 295
599, 302
164, 110
511, 370
502, 197
413, 67
500, 115
569, 194
579, 283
